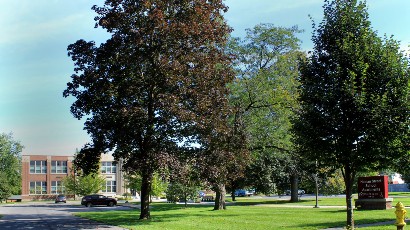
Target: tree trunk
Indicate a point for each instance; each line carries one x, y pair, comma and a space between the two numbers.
220, 197
186, 199
294, 188
145, 197
233, 195
348, 176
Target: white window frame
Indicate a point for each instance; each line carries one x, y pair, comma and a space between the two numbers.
57, 187
39, 167
40, 187
108, 167
110, 186
59, 167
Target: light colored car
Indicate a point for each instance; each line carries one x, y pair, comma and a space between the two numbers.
300, 192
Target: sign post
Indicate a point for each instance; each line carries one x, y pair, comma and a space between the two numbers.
373, 193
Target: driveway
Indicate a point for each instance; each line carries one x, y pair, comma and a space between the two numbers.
50, 216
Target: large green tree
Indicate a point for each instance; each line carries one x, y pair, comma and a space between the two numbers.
354, 96
83, 184
156, 86
264, 95
10, 166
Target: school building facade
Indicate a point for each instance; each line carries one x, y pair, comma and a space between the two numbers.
42, 176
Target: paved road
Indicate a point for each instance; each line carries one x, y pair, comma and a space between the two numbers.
49, 216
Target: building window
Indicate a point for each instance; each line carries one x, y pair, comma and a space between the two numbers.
110, 186
57, 187
38, 166
108, 167
58, 166
38, 187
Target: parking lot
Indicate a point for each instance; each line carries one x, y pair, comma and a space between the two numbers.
48, 215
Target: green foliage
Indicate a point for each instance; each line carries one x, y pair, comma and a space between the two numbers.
268, 173
265, 89
83, 184
354, 93
333, 184
87, 160
185, 180
159, 185
178, 192
10, 166
354, 96
133, 182
264, 95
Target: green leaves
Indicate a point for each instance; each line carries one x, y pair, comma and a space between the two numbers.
265, 89
84, 184
10, 166
349, 88
354, 96
264, 97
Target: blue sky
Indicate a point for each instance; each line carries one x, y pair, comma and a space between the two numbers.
34, 66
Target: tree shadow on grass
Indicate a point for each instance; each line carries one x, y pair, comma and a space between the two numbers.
158, 215
158, 207
342, 222
248, 203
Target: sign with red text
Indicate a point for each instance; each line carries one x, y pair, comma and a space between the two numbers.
373, 187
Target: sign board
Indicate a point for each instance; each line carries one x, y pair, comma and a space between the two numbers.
373, 187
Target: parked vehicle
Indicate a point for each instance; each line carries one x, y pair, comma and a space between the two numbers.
243, 192
201, 194
61, 198
300, 192
97, 199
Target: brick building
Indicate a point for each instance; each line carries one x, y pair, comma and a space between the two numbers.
42, 175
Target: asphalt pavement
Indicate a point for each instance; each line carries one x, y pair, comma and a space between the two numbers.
50, 216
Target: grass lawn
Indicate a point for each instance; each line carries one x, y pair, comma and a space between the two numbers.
247, 213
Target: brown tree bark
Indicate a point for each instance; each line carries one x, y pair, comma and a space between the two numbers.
349, 179
294, 188
220, 203
145, 191
233, 195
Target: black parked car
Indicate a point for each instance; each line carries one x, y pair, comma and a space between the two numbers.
98, 200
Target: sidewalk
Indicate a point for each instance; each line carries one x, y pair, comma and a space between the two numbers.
365, 225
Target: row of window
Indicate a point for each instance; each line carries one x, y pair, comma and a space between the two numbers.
57, 187
40, 167
108, 167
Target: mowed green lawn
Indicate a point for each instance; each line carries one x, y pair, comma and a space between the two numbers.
247, 213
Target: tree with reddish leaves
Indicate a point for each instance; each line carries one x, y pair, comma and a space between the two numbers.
155, 87
224, 155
